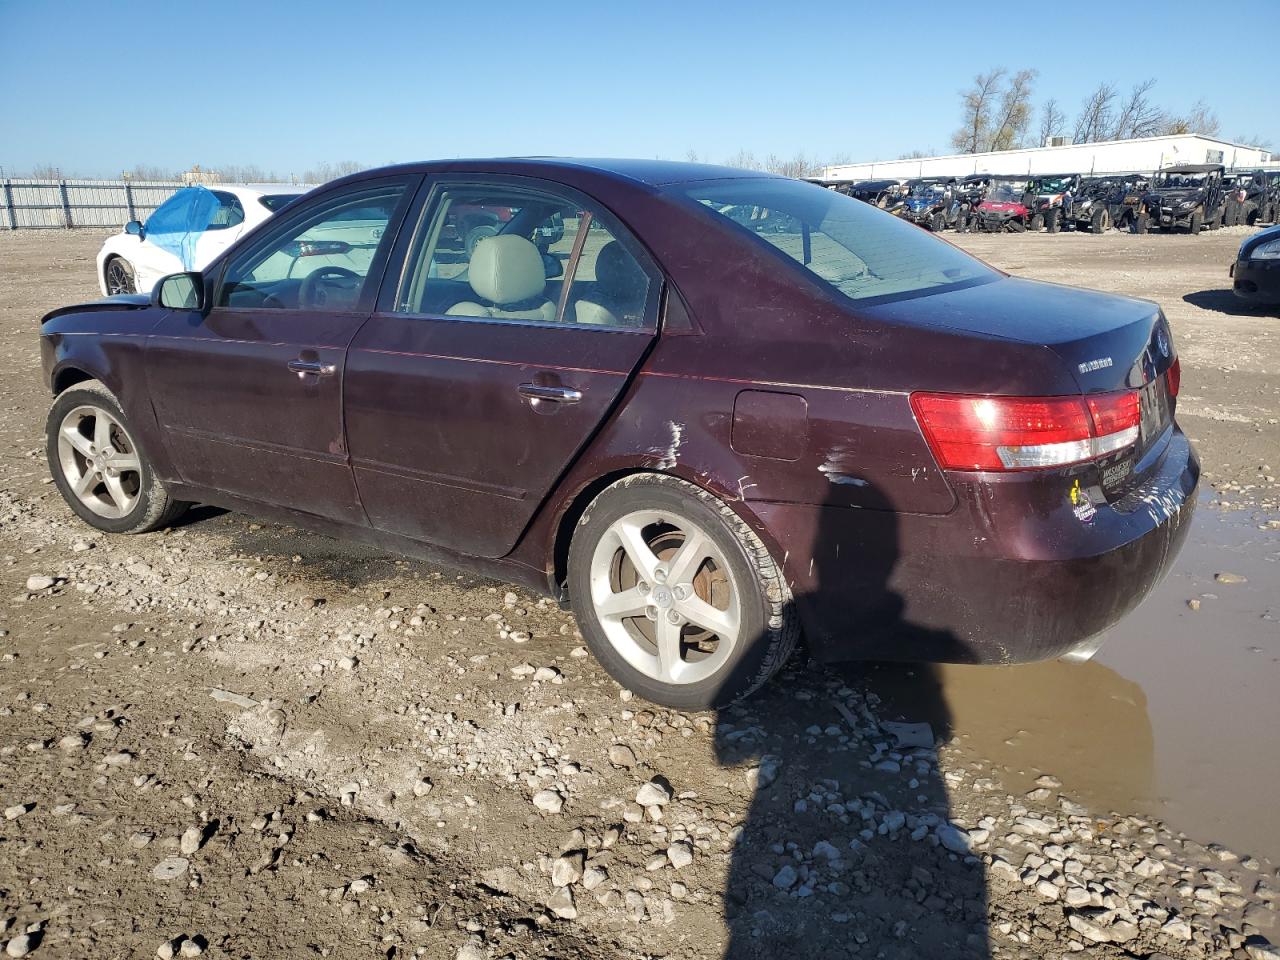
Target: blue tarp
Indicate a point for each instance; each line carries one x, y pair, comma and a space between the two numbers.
178, 223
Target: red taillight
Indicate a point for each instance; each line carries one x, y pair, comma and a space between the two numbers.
1173, 377
1021, 433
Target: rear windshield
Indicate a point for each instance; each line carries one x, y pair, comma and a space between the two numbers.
859, 250
275, 202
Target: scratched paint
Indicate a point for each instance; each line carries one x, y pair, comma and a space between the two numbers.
835, 469
669, 455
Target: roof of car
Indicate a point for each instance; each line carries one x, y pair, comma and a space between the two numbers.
652, 172
1193, 168
260, 189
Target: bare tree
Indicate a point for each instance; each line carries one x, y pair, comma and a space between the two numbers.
744, 160
1254, 140
1199, 119
47, 171
979, 100
1094, 120
691, 155
1051, 121
1014, 113
797, 166
325, 171
147, 171
1138, 116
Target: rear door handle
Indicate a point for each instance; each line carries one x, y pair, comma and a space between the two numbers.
538, 391
303, 367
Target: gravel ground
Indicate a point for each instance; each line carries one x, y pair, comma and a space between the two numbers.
234, 739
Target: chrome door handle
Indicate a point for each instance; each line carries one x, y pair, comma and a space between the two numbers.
303, 367
537, 391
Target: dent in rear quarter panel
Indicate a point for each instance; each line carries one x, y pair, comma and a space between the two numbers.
862, 451
110, 345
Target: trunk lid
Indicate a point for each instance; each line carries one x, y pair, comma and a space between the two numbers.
1108, 343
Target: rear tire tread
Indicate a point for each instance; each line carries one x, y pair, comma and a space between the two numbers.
782, 626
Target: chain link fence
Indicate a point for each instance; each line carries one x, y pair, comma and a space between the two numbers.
64, 204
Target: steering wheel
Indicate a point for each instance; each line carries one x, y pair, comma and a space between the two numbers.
312, 294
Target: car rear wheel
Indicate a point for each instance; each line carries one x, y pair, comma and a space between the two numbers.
1037, 221
98, 466
119, 277
677, 597
1098, 222
1197, 221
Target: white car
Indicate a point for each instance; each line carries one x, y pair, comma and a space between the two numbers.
186, 232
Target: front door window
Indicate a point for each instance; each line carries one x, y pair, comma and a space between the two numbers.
318, 263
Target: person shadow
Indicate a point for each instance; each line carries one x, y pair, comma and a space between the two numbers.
847, 848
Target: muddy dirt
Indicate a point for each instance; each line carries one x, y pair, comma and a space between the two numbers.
236, 739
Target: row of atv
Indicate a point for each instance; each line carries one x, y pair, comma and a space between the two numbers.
1188, 198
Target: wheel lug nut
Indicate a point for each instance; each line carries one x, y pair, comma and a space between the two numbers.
673, 617
681, 592
660, 575
643, 588
651, 613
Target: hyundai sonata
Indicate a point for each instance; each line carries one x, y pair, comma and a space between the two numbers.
704, 407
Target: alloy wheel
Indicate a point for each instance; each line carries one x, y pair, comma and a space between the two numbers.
665, 596
119, 280
99, 461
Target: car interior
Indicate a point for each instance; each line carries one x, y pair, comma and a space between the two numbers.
499, 253
505, 254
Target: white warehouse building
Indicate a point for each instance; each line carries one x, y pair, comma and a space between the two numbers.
1109, 156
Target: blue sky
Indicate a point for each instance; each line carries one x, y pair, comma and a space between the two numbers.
96, 88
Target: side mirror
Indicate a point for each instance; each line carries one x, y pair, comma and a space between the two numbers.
179, 291
135, 229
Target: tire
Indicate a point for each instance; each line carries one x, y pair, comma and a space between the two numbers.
1037, 221
736, 573
136, 502
1231, 213
1051, 221
1098, 222
1017, 226
476, 234
1197, 221
938, 222
118, 276
1141, 223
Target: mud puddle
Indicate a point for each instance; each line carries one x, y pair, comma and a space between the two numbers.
1178, 714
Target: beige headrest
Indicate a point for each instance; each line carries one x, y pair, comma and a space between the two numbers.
507, 269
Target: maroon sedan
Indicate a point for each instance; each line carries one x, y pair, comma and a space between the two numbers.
706, 407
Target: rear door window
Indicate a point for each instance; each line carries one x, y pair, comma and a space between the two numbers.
503, 252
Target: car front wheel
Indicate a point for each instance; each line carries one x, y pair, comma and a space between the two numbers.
677, 597
119, 277
98, 466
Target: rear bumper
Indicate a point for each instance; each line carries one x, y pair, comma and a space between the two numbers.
1016, 573
1257, 281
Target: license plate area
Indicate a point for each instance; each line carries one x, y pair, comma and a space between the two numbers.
1153, 405
1117, 473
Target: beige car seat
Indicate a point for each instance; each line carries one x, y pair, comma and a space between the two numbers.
506, 271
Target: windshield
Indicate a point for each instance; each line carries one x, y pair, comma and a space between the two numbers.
1007, 191
858, 250
1055, 185
1178, 181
